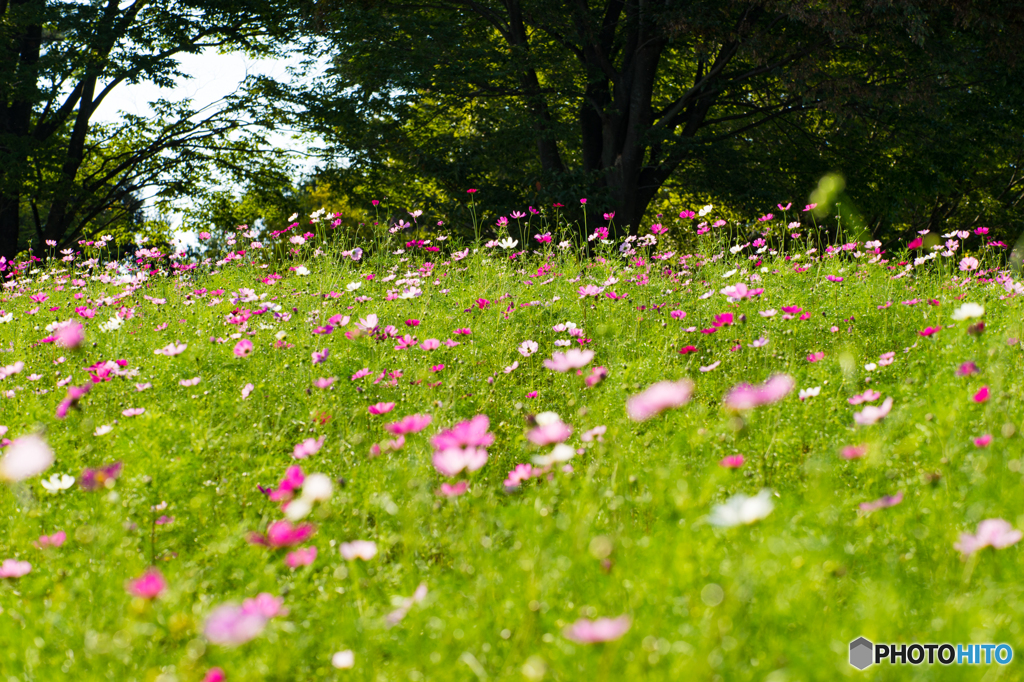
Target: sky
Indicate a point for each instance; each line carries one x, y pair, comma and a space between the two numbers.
212, 76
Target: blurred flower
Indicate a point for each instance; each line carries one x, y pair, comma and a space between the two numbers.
342, 660
732, 461
149, 585
658, 398
308, 447
571, 359
995, 533
882, 502
12, 568
871, 414
413, 423
358, 549
396, 616
740, 509
25, 457
585, 631
746, 396
301, 557
968, 311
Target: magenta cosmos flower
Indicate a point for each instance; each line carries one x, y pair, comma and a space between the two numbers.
149, 585
659, 397
995, 533
585, 631
746, 396
472, 433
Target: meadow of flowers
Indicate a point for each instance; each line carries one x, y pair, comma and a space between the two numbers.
418, 459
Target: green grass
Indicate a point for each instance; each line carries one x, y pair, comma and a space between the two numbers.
624, 533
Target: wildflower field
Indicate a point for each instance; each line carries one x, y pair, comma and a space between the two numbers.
436, 460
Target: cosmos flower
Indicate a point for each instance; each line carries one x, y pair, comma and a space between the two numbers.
585, 631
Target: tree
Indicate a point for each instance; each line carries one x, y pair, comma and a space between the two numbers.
59, 60
616, 98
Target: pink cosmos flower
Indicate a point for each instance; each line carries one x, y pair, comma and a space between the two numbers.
396, 616
190, 382
230, 625
982, 395
25, 457
101, 477
450, 490
596, 433
596, 376
658, 398
928, 331
995, 533
171, 349
732, 461
869, 396
814, 357
70, 335
549, 434
213, 674
854, 451
246, 390
308, 447
871, 414
430, 344
451, 461
133, 411
886, 359
12, 568
301, 557
358, 549
746, 396
320, 356
522, 472
283, 534
723, 320
472, 433
882, 502
527, 348
571, 359
967, 368
149, 585
585, 631
983, 441
55, 540
243, 348
414, 423
324, 383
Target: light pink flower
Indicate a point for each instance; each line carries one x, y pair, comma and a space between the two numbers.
308, 447
527, 348
246, 390
25, 457
658, 398
358, 549
472, 433
585, 631
133, 411
55, 540
12, 568
995, 533
430, 344
190, 382
571, 359
549, 434
243, 348
229, 625
70, 335
171, 349
596, 433
871, 414
882, 502
301, 557
149, 585
854, 451
746, 397
324, 383
396, 616
869, 396
381, 408
266, 605
451, 461
450, 490
413, 423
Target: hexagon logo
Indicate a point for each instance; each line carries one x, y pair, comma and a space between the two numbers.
861, 653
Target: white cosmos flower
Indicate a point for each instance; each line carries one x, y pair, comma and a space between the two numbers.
806, 393
968, 311
508, 243
559, 453
352, 286
740, 509
302, 270
58, 482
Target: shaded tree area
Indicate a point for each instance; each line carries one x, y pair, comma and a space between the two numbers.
63, 175
629, 103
